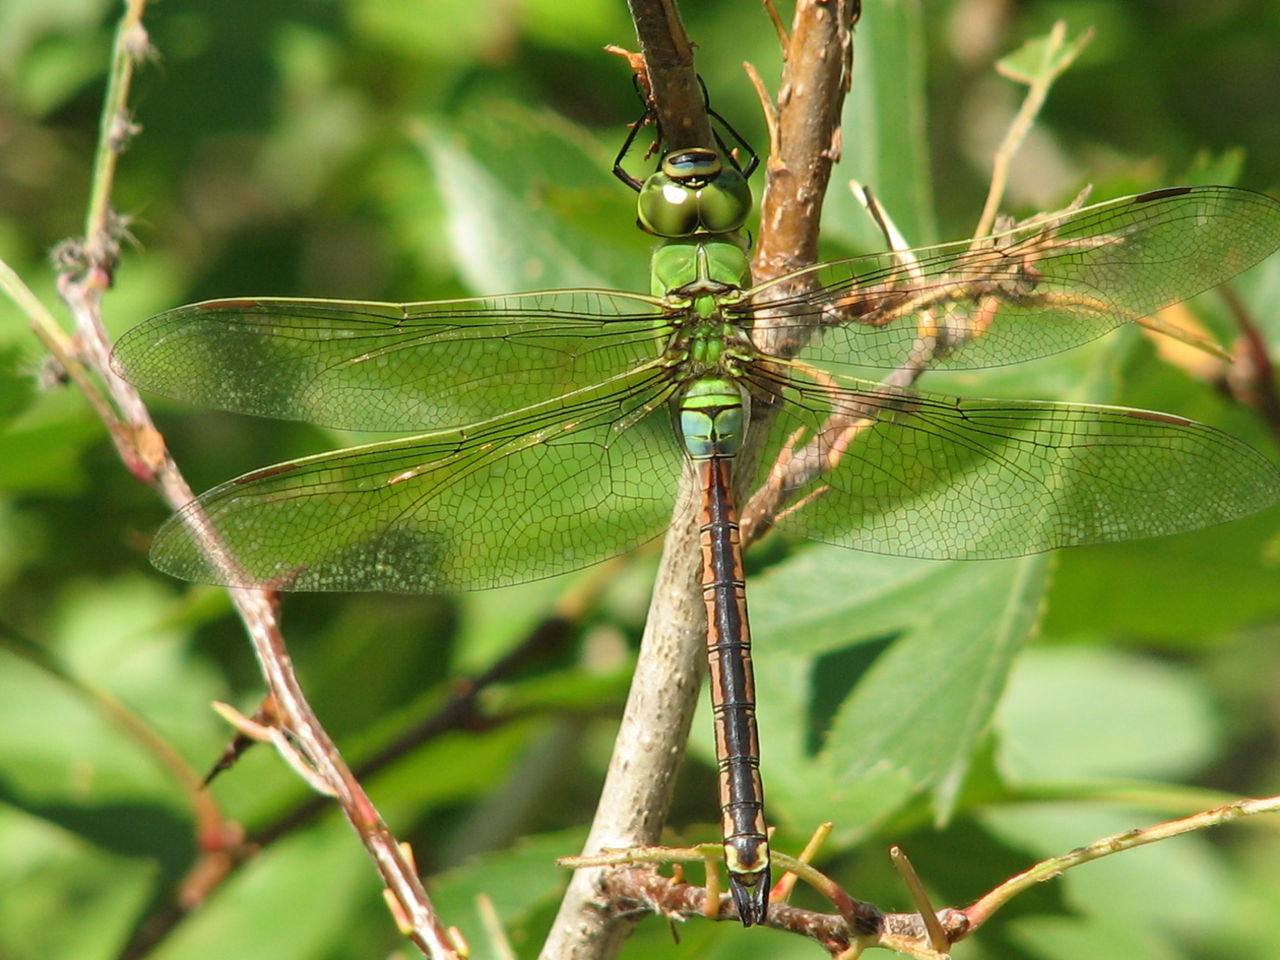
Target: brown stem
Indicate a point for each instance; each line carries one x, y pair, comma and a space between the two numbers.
675, 95
656, 720
815, 80
1254, 380
86, 276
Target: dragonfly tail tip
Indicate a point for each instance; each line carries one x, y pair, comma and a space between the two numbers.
751, 895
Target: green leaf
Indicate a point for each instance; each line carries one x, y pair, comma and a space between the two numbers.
494, 622
50, 49
1207, 168
474, 28
530, 204
71, 761
1042, 59
518, 880
70, 899
296, 901
41, 447
877, 677
1158, 589
473, 765
1079, 712
1067, 938
17, 386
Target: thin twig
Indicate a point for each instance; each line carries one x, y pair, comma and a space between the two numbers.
766, 106
85, 277
782, 889
862, 919
1253, 381
66, 355
937, 936
1057, 58
815, 80
461, 711
857, 925
981, 911
778, 26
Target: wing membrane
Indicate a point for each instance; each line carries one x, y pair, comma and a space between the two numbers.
933, 476
1036, 290
522, 497
390, 366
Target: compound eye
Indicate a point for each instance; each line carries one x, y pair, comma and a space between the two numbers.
725, 202
694, 192
667, 208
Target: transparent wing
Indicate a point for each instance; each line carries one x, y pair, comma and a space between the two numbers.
1035, 290
524, 496
390, 366
921, 475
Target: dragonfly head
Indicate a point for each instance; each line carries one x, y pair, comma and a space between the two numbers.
693, 191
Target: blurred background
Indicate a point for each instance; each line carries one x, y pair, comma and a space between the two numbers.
422, 149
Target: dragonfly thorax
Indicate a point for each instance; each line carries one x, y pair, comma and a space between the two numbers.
702, 271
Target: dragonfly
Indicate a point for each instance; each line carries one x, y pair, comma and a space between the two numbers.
549, 429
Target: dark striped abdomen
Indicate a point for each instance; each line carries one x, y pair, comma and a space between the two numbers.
733, 693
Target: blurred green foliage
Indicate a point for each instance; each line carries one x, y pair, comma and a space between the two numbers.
414, 149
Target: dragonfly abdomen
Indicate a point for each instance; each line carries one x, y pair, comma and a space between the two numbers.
746, 845
712, 416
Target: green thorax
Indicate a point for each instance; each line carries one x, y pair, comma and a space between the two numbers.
696, 276
700, 269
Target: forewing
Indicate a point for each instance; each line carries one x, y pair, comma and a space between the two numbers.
926, 475
390, 366
526, 496
1033, 291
